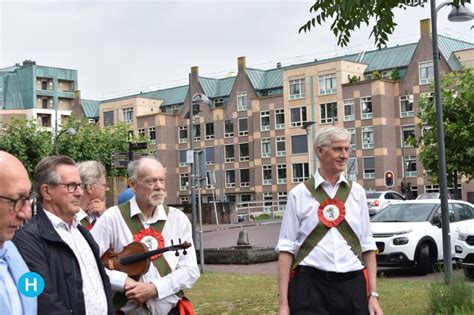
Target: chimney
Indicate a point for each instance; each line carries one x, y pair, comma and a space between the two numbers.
241, 64
278, 65
425, 26
195, 74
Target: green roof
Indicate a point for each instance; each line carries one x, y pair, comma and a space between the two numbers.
90, 108
266, 79
170, 96
217, 87
447, 47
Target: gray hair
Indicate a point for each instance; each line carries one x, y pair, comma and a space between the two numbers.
326, 135
91, 171
46, 172
134, 165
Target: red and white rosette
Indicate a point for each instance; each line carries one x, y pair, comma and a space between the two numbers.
331, 212
152, 239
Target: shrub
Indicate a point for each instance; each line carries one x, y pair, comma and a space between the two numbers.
453, 298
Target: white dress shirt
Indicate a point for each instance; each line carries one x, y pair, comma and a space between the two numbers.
110, 230
301, 217
82, 214
92, 286
8, 290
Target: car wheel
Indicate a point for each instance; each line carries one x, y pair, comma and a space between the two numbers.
423, 262
468, 272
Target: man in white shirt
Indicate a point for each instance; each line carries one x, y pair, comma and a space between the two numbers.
326, 261
15, 187
93, 176
59, 249
146, 219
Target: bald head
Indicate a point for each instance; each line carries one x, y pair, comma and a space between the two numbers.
15, 186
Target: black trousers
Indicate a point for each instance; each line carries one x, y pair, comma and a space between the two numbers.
312, 291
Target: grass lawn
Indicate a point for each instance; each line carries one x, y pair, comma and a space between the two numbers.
220, 293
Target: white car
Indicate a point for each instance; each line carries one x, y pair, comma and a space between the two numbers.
464, 247
409, 233
378, 200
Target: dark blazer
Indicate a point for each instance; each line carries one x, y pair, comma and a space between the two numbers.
48, 255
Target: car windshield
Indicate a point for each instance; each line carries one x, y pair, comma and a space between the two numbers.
373, 195
405, 212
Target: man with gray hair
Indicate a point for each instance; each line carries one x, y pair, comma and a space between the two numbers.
59, 249
146, 219
326, 262
93, 176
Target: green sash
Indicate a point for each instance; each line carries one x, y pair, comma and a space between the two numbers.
86, 224
318, 233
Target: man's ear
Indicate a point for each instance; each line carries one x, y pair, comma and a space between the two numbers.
45, 192
132, 185
89, 188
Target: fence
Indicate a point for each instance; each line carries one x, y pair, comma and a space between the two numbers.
260, 210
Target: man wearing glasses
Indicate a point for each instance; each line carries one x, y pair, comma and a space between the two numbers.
58, 248
93, 176
15, 207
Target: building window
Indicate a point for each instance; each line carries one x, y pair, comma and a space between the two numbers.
353, 145
267, 174
44, 84
242, 101
183, 134
406, 106
229, 153
141, 132
410, 166
266, 148
281, 174
210, 155
245, 200
426, 71
182, 158
152, 133
408, 131
369, 167
109, 118
299, 144
209, 131
386, 74
300, 172
243, 126
429, 96
368, 138
298, 116
228, 128
44, 120
282, 197
230, 178
245, 177
349, 110
183, 200
297, 89
264, 121
127, 115
267, 202
327, 84
218, 102
196, 132
328, 112
244, 152
183, 182
280, 146
44, 103
366, 107
279, 119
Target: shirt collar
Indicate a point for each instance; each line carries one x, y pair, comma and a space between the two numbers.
158, 215
318, 180
57, 222
80, 215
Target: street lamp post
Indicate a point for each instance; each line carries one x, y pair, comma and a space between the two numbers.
69, 131
460, 14
307, 125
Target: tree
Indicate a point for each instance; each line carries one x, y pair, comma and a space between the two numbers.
351, 14
457, 99
27, 142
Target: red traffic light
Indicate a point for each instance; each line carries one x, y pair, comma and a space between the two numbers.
389, 179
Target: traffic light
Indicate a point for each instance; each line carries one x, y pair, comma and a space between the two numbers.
389, 179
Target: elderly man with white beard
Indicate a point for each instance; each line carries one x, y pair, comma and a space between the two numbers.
146, 219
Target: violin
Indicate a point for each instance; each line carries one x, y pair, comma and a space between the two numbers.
134, 258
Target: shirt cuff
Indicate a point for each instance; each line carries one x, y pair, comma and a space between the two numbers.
367, 245
285, 246
162, 287
117, 279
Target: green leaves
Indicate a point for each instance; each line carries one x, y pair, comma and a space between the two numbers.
350, 14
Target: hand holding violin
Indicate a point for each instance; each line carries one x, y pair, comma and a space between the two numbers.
140, 292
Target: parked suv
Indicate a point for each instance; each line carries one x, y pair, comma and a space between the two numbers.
378, 200
464, 245
409, 233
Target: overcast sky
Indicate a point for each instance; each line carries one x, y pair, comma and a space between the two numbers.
123, 47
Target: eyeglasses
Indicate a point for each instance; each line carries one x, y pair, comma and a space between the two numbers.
106, 186
71, 187
19, 203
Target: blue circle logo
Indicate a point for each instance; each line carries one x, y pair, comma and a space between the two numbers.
31, 284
